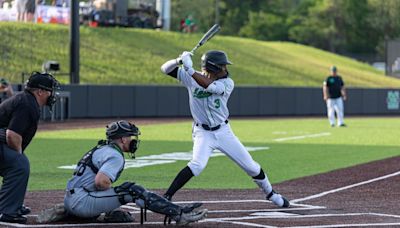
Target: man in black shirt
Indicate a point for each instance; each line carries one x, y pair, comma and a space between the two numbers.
19, 116
334, 95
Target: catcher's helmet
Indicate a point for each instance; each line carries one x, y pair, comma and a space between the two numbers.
120, 129
212, 61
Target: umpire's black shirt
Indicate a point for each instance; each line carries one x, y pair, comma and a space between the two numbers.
334, 84
20, 113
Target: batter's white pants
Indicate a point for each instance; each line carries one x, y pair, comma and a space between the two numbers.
335, 105
223, 139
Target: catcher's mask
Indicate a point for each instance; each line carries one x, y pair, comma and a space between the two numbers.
213, 61
46, 82
121, 129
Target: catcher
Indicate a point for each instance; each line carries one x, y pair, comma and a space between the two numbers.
89, 193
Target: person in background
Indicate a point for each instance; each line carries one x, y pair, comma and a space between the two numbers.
6, 89
334, 95
30, 8
21, 9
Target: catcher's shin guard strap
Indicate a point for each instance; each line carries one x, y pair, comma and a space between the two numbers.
161, 205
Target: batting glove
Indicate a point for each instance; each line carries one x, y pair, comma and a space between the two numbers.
187, 59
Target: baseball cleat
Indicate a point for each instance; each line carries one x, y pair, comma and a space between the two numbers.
278, 199
53, 214
193, 216
13, 219
24, 210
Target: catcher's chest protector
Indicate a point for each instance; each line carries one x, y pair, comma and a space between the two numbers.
86, 160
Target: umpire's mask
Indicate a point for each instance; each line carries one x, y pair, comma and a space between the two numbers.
46, 82
121, 129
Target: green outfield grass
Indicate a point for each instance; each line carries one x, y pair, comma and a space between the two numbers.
134, 56
366, 139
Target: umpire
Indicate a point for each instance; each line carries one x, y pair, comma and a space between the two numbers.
19, 117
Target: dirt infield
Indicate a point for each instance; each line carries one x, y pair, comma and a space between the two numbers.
362, 196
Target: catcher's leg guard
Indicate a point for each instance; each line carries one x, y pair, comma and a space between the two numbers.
154, 203
160, 205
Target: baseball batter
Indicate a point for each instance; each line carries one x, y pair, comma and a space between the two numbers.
334, 95
209, 92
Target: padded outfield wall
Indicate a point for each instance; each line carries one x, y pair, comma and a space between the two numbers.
103, 101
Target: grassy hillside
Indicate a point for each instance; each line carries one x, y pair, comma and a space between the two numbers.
134, 56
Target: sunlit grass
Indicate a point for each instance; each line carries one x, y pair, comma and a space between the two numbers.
134, 56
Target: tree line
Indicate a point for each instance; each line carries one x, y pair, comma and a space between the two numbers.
340, 26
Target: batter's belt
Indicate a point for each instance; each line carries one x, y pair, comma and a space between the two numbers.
208, 128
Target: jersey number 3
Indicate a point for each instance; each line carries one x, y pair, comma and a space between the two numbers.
217, 103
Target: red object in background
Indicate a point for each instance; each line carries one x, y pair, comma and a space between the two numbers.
93, 24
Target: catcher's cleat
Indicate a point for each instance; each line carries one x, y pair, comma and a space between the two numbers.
193, 216
116, 216
190, 207
53, 214
278, 199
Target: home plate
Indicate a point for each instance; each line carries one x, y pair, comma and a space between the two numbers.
273, 214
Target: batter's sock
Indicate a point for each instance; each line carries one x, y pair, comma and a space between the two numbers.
180, 180
262, 181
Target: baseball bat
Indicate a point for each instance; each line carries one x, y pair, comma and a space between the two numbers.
207, 36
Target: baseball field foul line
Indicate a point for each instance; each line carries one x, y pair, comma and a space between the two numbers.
302, 137
349, 225
345, 188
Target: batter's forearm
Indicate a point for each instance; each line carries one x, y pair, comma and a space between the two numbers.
169, 66
201, 80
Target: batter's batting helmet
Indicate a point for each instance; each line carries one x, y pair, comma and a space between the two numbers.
213, 61
120, 129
